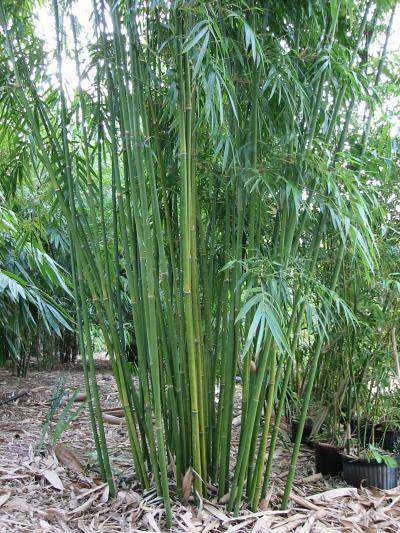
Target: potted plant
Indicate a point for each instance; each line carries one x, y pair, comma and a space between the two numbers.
387, 431
328, 441
370, 466
328, 433
381, 426
365, 460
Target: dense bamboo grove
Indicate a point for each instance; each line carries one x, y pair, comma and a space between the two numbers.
216, 180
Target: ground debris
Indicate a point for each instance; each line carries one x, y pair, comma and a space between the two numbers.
60, 490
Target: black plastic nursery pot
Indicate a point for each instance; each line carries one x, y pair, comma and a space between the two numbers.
391, 438
387, 439
357, 472
305, 438
328, 460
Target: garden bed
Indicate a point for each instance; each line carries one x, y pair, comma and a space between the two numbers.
39, 493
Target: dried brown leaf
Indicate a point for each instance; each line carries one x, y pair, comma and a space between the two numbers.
53, 478
4, 497
44, 525
216, 512
106, 494
303, 502
152, 524
187, 484
264, 504
111, 419
173, 465
224, 499
80, 397
334, 493
67, 459
312, 478
115, 411
86, 493
19, 504
85, 506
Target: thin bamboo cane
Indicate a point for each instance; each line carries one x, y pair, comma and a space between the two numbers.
307, 394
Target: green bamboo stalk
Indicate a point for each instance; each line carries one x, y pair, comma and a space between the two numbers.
258, 474
185, 124
307, 392
243, 455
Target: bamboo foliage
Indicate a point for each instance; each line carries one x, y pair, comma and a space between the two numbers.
205, 168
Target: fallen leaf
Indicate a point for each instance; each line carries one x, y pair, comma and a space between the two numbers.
303, 502
173, 465
86, 493
224, 499
212, 526
264, 504
187, 484
4, 497
216, 512
115, 411
260, 526
112, 419
84, 507
236, 421
312, 478
334, 493
67, 458
81, 397
149, 518
53, 479
105, 495
18, 504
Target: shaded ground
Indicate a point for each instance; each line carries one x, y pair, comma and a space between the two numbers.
40, 492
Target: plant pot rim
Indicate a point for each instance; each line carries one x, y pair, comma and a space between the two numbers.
327, 445
387, 427
360, 460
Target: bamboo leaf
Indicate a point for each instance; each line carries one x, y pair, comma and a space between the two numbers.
203, 30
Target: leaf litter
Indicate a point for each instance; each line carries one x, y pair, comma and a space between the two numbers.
60, 489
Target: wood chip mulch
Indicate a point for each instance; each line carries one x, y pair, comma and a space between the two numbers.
59, 489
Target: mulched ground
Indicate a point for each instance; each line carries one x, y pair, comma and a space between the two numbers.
59, 489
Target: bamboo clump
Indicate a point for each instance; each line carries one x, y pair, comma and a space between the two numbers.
204, 202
